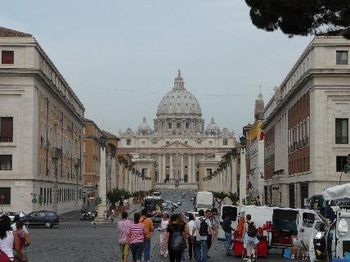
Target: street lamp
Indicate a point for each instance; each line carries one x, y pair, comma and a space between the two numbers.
55, 156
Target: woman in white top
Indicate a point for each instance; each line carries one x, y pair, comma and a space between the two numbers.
163, 235
6, 237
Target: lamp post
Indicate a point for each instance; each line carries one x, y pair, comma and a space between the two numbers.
56, 155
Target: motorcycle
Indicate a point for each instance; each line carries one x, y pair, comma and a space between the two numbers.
87, 216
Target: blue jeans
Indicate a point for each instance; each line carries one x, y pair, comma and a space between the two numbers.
201, 251
228, 243
146, 249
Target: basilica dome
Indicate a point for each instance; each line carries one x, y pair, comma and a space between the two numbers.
179, 101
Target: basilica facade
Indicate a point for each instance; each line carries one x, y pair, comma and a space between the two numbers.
169, 154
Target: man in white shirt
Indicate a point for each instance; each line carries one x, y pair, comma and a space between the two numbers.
192, 236
201, 230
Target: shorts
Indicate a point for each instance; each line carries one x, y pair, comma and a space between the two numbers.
136, 250
124, 250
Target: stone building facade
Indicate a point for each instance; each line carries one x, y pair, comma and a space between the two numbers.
42, 127
178, 141
92, 160
307, 124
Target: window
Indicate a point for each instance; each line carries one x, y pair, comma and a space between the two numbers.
128, 142
169, 125
187, 125
341, 131
7, 57
185, 178
5, 195
342, 57
178, 125
167, 142
341, 161
5, 162
6, 129
224, 142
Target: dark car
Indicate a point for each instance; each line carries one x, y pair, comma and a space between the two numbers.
41, 218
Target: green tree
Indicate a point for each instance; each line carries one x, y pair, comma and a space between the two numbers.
233, 197
301, 17
219, 196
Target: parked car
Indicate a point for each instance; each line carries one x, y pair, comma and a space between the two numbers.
45, 218
179, 203
183, 195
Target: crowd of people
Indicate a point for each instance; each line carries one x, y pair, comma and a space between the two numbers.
179, 240
14, 238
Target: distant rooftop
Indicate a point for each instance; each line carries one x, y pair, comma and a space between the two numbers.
5, 32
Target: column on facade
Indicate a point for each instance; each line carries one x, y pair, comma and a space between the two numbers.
243, 178
182, 166
171, 167
189, 168
163, 168
113, 173
233, 174
159, 180
193, 168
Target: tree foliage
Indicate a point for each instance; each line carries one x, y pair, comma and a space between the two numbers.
302, 17
117, 195
233, 197
220, 196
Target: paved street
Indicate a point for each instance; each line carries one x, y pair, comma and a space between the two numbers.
80, 241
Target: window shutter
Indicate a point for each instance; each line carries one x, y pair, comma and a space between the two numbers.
6, 129
7, 57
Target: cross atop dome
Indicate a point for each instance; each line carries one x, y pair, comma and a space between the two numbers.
179, 82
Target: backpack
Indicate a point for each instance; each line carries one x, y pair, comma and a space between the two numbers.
203, 228
177, 241
252, 232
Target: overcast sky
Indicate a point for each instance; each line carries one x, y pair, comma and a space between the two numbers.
121, 57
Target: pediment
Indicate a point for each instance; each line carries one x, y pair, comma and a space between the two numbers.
176, 144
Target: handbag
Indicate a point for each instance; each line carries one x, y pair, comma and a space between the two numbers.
4, 257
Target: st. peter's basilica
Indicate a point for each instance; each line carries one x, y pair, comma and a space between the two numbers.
170, 153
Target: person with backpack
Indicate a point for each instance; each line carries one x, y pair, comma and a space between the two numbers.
226, 226
250, 238
201, 230
176, 236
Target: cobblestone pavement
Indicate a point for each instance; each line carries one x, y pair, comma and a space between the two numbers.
80, 241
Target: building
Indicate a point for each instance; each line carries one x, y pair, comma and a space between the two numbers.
255, 152
92, 160
307, 124
178, 141
42, 127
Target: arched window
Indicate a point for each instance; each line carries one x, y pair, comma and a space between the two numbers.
186, 178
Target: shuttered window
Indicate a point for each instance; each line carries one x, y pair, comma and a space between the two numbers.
7, 57
5, 162
6, 129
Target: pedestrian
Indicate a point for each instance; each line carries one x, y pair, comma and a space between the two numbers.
147, 222
182, 221
15, 219
163, 235
8, 241
226, 226
240, 227
136, 237
250, 238
23, 241
191, 237
201, 229
211, 234
176, 238
123, 230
